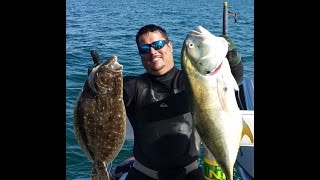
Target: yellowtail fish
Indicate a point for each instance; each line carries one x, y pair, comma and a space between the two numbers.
210, 88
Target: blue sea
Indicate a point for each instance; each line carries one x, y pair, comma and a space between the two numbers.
109, 27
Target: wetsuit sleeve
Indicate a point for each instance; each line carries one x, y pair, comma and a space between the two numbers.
129, 89
234, 59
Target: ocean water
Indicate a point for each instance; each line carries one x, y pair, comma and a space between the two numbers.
109, 27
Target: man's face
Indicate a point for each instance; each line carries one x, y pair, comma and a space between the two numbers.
156, 62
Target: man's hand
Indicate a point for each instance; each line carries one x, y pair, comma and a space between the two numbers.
233, 56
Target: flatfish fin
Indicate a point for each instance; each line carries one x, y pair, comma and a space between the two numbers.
78, 124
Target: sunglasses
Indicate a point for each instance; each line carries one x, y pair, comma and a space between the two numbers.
145, 48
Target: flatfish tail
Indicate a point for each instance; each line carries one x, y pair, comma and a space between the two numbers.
99, 172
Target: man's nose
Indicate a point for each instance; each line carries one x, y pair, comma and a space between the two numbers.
153, 51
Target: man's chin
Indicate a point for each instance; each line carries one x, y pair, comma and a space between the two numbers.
157, 68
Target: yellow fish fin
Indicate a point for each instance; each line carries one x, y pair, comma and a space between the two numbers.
246, 131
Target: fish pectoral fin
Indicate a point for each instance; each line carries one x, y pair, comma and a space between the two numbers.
235, 84
231, 78
246, 131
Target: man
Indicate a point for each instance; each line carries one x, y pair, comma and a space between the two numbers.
157, 108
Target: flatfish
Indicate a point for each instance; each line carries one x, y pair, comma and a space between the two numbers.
99, 116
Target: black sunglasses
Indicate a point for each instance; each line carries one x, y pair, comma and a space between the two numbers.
145, 48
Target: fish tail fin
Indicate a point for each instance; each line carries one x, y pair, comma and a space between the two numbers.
230, 175
99, 172
246, 131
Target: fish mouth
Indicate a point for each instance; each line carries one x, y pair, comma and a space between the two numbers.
215, 71
113, 64
199, 31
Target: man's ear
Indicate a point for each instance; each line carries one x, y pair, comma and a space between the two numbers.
170, 45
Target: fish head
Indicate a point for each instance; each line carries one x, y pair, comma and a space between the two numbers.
205, 50
106, 78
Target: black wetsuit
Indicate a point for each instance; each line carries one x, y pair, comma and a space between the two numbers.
158, 111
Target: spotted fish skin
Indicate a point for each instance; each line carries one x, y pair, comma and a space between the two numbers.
99, 116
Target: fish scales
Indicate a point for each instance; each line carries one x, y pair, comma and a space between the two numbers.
99, 116
211, 87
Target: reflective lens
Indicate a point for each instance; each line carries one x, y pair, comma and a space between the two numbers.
145, 48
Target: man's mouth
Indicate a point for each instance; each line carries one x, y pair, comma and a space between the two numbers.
155, 59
